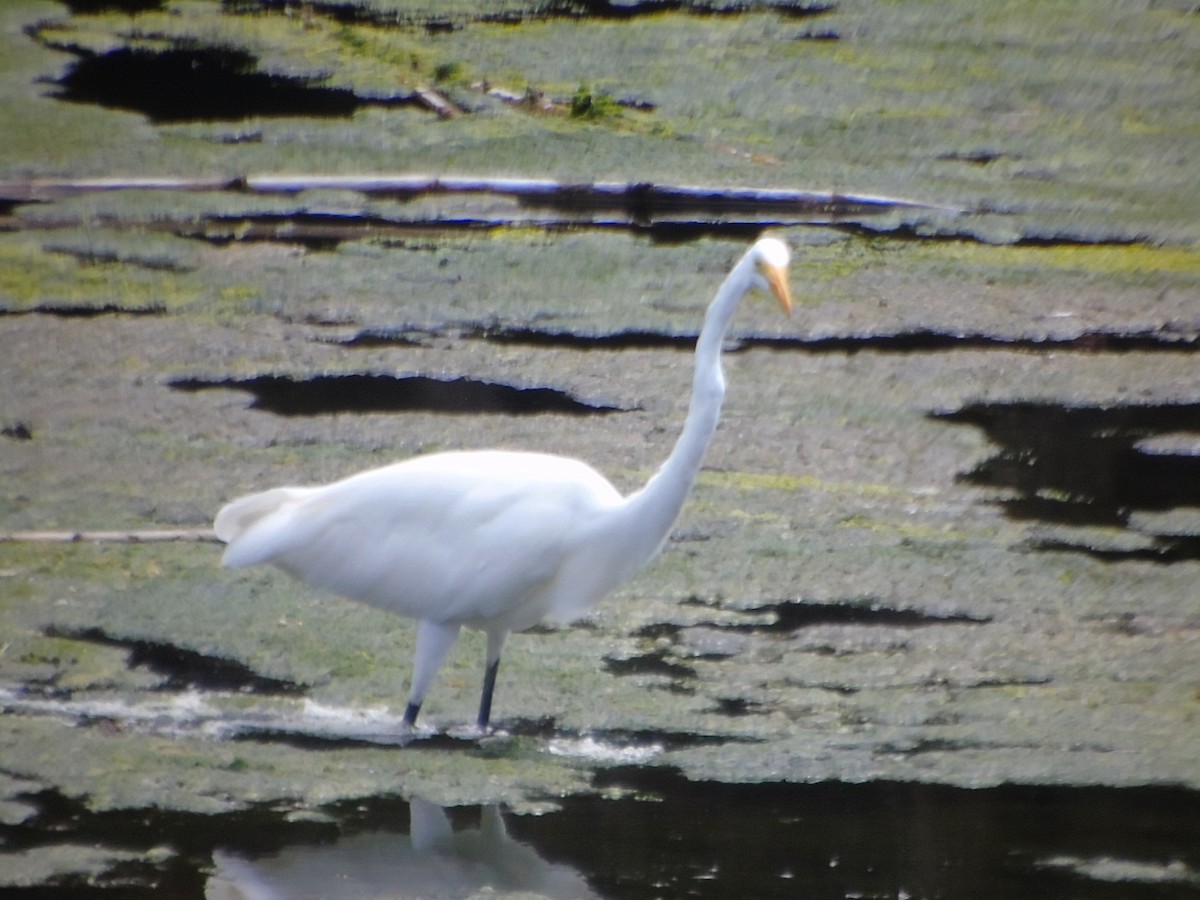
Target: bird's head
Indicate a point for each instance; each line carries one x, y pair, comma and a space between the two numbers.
771, 257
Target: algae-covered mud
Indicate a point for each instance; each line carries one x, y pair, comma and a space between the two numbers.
929, 623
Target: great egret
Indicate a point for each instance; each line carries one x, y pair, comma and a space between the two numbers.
491, 539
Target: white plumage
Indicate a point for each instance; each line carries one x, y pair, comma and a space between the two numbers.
490, 539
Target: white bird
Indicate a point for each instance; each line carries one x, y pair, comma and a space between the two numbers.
492, 539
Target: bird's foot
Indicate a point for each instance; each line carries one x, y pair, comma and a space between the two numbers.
410, 715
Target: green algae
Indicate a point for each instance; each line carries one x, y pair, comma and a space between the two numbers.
1134, 264
740, 482
86, 274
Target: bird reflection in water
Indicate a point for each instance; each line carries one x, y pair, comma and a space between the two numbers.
431, 861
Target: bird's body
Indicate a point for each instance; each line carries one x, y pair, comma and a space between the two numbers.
424, 535
490, 539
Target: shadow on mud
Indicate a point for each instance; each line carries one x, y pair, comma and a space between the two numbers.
648, 832
181, 669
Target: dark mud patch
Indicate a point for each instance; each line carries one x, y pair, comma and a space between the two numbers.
9, 205
183, 669
84, 311
319, 231
931, 340
789, 616
980, 157
440, 742
189, 84
1083, 465
1164, 550
128, 7
352, 12
737, 707
356, 12
17, 431
648, 832
325, 394
793, 615
630, 339
667, 674
327, 231
923, 340
622, 11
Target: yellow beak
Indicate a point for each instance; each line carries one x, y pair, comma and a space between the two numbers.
777, 278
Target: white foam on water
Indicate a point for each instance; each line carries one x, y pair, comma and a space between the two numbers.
588, 747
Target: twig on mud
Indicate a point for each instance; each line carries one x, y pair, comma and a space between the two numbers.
437, 102
601, 194
199, 535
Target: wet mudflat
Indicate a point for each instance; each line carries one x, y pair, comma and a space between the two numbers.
928, 625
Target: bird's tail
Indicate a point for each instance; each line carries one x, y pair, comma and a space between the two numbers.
236, 523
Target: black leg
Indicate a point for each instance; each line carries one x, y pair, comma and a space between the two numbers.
410, 714
485, 701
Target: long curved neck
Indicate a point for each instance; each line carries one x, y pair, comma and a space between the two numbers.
654, 508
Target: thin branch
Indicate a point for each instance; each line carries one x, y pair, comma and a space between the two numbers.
199, 535
640, 196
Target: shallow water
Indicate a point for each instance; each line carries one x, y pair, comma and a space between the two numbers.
650, 833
